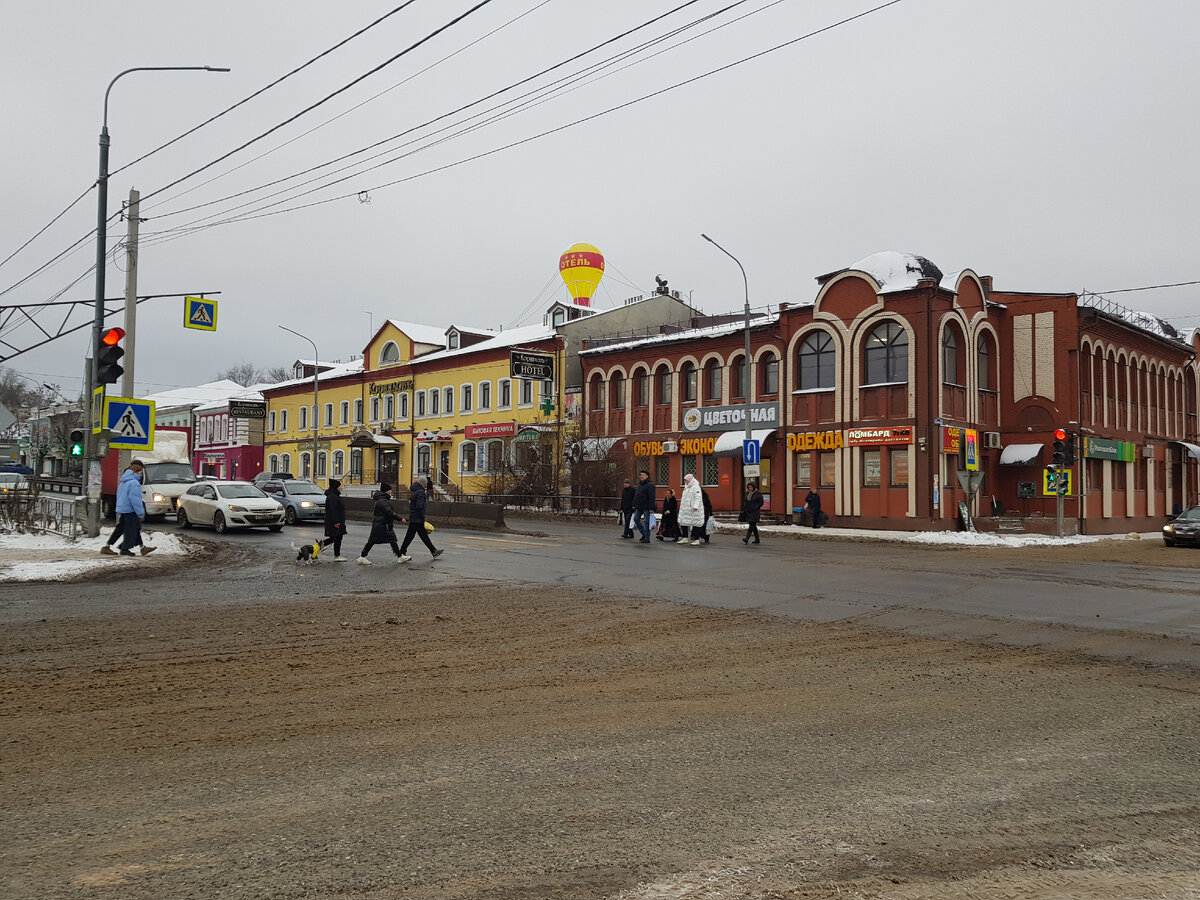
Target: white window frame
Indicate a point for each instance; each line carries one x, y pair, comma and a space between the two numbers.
271, 423
344, 412
448, 400
358, 411
285, 462
322, 464
306, 466
339, 463
435, 397
273, 462
505, 384
526, 389
402, 406
462, 448
374, 410
466, 397
328, 415
419, 405
303, 426
383, 352
485, 396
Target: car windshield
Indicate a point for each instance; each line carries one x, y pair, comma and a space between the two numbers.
302, 487
9, 478
240, 491
169, 473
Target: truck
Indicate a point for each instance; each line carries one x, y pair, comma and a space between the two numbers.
168, 473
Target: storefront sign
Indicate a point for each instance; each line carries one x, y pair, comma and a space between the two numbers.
535, 366
871, 437
815, 440
392, 387
952, 440
648, 448
491, 430
697, 446
248, 409
971, 449
730, 418
1103, 448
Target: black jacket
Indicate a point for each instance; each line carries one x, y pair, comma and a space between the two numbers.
643, 497
416, 504
381, 525
813, 502
751, 505
707, 504
627, 499
335, 513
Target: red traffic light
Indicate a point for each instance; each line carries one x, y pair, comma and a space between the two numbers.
1059, 433
112, 337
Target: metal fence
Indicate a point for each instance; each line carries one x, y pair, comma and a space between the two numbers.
59, 514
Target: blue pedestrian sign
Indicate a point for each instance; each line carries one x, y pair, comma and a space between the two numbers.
200, 313
751, 452
130, 423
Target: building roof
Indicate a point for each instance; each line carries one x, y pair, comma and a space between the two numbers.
422, 334
196, 395
250, 393
894, 270
709, 331
508, 338
335, 370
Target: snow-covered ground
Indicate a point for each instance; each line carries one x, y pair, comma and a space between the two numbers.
45, 557
30, 557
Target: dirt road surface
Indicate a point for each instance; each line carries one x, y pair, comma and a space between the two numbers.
526, 744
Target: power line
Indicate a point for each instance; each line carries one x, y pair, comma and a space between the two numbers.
44, 228
325, 99
1149, 287
552, 131
266, 88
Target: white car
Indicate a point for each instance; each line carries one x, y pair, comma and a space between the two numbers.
228, 504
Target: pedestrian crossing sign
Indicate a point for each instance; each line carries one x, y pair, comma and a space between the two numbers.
200, 313
130, 423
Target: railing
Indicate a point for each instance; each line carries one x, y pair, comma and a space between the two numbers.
58, 514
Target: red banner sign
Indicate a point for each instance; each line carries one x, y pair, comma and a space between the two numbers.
491, 430
871, 437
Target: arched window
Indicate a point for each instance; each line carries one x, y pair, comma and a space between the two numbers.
495, 456
328, 415
641, 388
712, 380
950, 357
768, 368
983, 362
344, 412
305, 465
435, 397
322, 458
390, 354
737, 378
303, 418
273, 463
466, 457
662, 387
597, 392
339, 463
886, 357
285, 462
356, 463
688, 377
815, 362
616, 389
424, 456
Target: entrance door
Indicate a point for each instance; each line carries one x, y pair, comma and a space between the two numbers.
443, 475
387, 463
763, 481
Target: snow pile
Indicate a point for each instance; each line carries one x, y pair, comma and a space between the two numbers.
46, 557
946, 538
897, 271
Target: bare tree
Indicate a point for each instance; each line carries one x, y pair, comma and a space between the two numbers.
246, 374
276, 374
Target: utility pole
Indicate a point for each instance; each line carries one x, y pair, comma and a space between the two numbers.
131, 262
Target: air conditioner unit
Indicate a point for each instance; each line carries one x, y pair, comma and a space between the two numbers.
1148, 451
991, 440
670, 447
375, 429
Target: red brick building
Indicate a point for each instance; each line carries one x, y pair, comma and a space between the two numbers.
898, 385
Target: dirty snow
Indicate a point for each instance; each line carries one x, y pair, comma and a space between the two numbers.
45, 557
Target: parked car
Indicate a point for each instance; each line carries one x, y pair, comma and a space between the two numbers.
1183, 529
271, 476
12, 484
300, 499
228, 504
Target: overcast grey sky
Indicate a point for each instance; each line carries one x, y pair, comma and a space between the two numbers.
1049, 143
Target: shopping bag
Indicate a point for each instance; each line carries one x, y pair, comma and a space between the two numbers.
429, 527
710, 527
651, 522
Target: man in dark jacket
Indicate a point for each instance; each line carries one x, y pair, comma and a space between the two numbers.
643, 504
751, 506
627, 510
416, 521
382, 530
812, 505
335, 527
707, 512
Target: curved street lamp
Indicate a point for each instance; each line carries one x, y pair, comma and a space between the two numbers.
316, 396
746, 372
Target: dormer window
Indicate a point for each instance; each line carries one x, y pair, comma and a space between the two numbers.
559, 316
390, 354
452, 340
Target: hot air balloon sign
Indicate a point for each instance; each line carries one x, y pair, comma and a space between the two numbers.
581, 268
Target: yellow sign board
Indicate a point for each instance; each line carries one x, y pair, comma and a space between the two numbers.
199, 312
1051, 481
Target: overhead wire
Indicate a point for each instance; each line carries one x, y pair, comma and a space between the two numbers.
46, 227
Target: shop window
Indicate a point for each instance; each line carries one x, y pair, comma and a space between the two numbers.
815, 362
871, 468
273, 463
285, 462
886, 356
828, 470
356, 467
710, 472
662, 470
305, 465
467, 458
1118, 476
803, 470
494, 456
898, 463
687, 466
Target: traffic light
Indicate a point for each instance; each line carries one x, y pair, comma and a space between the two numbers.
109, 358
76, 447
1060, 447
1070, 448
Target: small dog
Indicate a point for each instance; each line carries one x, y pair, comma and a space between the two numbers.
307, 553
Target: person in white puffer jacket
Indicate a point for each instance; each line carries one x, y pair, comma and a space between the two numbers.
691, 511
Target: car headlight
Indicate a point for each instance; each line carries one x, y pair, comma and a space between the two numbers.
306, 504
235, 508
159, 498
1169, 528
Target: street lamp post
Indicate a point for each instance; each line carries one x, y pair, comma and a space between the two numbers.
746, 371
316, 396
93, 371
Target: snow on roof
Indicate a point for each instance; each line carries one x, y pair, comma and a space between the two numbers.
422, 334
507, 338
193, 396
250, 393
1136, 318
335, 370
709, 331
894, 270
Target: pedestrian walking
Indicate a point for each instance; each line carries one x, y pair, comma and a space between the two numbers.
416, 521
132, 510
707, 512
627, 494
669, 529
383, 529
812, 505
691, 511
335, 527
751, 505
117, 532
644, 503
